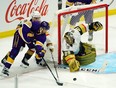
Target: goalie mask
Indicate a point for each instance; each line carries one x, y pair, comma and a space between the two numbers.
69, 38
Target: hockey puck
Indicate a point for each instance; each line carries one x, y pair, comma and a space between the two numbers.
74, 79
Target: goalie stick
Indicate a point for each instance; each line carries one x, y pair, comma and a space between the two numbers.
94, 70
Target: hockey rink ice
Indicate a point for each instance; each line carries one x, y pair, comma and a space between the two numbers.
38, 77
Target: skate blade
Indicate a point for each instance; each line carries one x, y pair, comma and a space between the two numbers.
24, 66
2, 76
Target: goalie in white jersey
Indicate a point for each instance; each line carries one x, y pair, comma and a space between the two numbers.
76, 53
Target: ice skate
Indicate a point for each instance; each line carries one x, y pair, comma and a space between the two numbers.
25, 63
90, 37
40, 62
5, 72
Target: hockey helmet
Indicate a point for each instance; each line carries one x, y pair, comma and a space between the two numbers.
36, 14
69, 38
45, 25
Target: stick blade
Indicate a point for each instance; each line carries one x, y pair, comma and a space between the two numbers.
60, 84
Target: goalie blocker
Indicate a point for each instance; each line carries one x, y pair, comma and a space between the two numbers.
76, 53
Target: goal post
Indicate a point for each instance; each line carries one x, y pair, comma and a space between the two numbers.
76, 9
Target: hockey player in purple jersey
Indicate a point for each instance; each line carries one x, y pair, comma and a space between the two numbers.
41, 37
31, 31
88, 15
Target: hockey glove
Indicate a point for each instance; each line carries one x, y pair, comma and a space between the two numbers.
95, 26
50, 47
74, 65
41, 53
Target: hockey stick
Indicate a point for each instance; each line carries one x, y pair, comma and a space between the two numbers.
55, 66
94, 70
59, 83
111, 2
102, 69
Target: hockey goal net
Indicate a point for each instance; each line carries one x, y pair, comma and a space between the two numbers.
100, 38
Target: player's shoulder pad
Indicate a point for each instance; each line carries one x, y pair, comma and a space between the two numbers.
69, 3
28, 23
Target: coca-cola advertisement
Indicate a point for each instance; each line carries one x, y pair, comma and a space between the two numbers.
13, 11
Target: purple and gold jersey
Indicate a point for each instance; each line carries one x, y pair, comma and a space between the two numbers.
28, 27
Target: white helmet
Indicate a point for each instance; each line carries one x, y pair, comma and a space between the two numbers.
36, 14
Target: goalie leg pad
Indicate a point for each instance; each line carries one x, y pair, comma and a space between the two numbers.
88, 56
65, 54
87, 59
